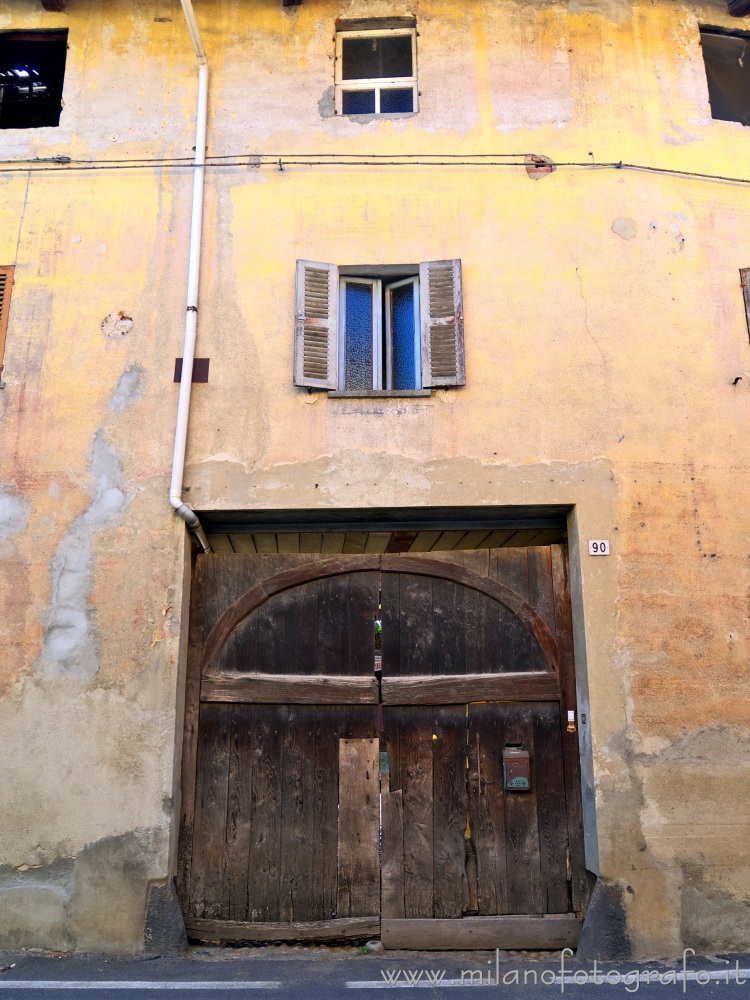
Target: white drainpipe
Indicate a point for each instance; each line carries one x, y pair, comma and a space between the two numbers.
194, 266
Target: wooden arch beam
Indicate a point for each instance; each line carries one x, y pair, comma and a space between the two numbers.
237, 612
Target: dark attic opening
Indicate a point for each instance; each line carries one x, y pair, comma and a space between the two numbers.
727, 59
32, 69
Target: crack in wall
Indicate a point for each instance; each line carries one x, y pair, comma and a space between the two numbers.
586, 309
585, 301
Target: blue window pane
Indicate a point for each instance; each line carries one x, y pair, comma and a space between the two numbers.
393, 102
402, 338
358, 102
358, 337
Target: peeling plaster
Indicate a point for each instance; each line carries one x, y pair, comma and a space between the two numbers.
56, 878
14, 515
625, 227
729, 745
128, 391
116, 325
326, 104
613, 10
71, 645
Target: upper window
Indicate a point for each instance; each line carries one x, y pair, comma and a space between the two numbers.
727, 59
379, 329
376, 71
32, 67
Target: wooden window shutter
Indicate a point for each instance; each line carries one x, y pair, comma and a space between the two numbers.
6, 283
442, 320
316, 341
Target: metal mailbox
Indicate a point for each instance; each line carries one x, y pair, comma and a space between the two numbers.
516, 768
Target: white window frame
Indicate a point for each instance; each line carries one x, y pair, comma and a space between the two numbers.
414, 282
379, 83
377, 328
382, 374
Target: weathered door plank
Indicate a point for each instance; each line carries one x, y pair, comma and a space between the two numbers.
461, 689
416, 631
239, 813
296, 848
189, 774
413, 774
523, 862
349, 928
297, 689
324, 881
358, 828
536, 932
449, 627
449, 810
209, 837
549, 779
392, 875
263, 857
360, 610
487, 802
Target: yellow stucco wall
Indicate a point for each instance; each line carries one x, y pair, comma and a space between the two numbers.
599, 374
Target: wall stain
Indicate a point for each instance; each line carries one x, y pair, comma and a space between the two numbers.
71, 642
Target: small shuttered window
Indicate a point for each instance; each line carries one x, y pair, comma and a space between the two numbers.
6, 284
377, 329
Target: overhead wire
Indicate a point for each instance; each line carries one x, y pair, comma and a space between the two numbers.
280, 161
270, 156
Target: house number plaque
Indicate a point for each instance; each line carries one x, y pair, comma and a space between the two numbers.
600, 547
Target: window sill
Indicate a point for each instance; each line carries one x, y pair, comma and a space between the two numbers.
379, 394
377, 115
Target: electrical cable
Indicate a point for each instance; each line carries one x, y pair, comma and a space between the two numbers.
272, 157
257, 161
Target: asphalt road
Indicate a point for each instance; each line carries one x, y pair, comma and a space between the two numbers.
296, 975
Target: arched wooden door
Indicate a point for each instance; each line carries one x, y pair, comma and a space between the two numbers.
336, 786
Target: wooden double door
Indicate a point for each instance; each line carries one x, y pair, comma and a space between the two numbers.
347, 723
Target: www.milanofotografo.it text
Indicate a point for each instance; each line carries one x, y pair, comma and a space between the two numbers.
631, 979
